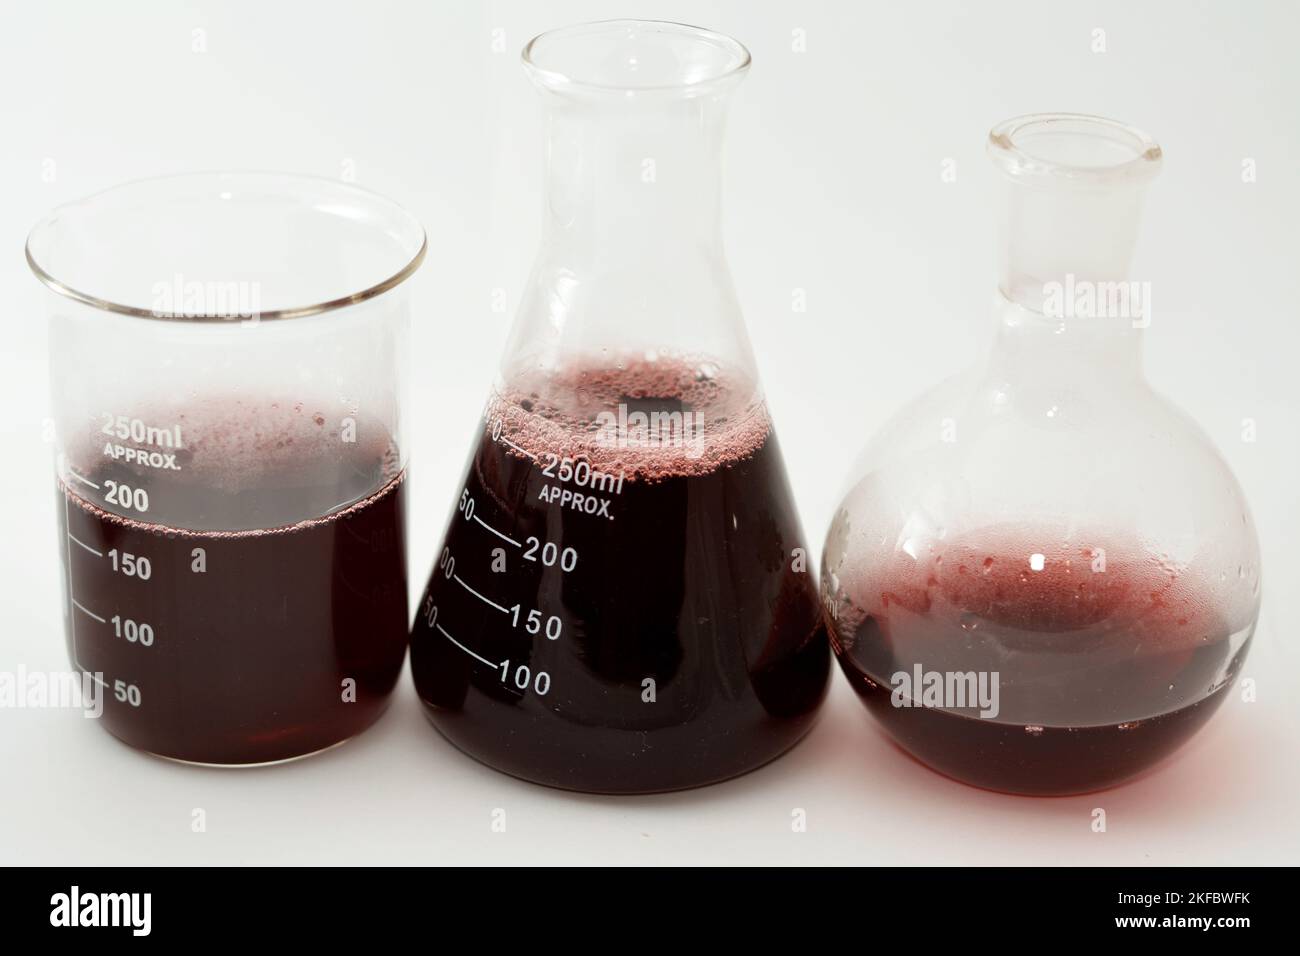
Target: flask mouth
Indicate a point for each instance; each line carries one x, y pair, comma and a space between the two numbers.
1073, 149
635, 57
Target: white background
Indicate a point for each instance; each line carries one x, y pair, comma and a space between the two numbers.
833, 187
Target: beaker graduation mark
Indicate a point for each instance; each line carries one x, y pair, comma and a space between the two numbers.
76, 605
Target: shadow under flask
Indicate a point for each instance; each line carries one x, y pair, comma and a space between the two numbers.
620, 602
1044, 577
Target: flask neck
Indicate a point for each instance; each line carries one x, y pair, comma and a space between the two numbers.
1073, 195
1031, 346
636, 179
1065, 251
631, 260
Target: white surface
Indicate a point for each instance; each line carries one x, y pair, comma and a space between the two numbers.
834, 187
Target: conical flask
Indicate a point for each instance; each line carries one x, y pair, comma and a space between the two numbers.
1044, 577
620, 603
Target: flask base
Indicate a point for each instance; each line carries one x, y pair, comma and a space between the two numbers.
1029, 760
616, 773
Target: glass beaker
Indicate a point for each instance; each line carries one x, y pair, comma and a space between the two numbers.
622, 601
227, 360
1044, 577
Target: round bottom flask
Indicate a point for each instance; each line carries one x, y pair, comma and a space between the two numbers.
1044, 578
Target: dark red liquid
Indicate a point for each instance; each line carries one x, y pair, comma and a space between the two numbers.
256, 632
687, 644
1101, 673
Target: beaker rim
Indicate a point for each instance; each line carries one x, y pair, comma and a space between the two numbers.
405, 230
1089, 150
724, 72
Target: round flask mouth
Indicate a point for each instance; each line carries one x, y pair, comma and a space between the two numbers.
1073, 149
